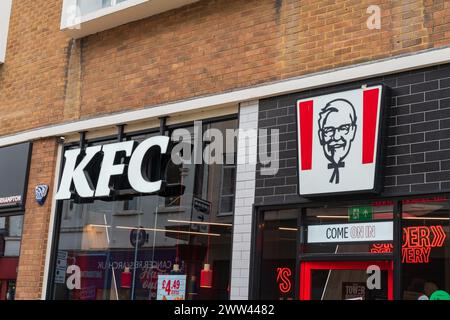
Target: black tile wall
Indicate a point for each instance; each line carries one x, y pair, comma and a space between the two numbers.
417, 157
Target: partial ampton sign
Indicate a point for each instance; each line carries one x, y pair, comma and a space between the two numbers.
339, 141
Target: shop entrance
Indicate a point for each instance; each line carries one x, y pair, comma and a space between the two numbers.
346, 280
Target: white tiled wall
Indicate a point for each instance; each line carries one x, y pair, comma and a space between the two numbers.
245, 195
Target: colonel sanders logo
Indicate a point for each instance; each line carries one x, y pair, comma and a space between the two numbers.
338, 141
337, 129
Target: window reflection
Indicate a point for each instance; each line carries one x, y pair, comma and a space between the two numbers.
121, 247
279, 231
88, 6
10, 235
425, 249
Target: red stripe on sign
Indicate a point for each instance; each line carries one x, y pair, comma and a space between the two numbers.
306, 130
370, 112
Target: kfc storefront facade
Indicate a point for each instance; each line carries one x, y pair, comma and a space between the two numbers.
134, 223
352, 204
359, 208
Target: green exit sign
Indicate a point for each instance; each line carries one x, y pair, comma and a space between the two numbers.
360, 213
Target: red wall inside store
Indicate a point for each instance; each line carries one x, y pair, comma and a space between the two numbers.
8, 268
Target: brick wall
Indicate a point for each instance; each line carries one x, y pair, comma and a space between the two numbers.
417, 156
36, 222
32, 79
207, 47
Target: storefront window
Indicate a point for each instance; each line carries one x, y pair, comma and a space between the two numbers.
345, 284
340, 217
279, 236
344, 248
123, 249
10, 235
425, 249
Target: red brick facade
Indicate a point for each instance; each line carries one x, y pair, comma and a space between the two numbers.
36, 222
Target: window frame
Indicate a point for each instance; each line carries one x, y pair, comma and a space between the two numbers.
221, 213
9, 237
5, 15
78, 26
49, 288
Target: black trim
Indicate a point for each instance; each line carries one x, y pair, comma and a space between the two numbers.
129, 135
230, 274
346, 257
255, 255
55, 237
398, 250
20, 209
82, 142
25, 187
232, 116
54, 248
344, 201
297, 256
120, 132
162, 125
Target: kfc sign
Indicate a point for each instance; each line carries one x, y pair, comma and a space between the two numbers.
339, 141
118, 160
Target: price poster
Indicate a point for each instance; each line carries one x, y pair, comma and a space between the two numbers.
171, 287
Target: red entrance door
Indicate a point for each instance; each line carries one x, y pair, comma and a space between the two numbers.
345, 280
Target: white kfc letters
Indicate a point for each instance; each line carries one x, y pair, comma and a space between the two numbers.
84, 189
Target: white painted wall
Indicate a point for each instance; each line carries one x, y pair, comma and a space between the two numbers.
5, 12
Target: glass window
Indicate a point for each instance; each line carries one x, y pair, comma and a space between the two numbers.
123, 247
15, 226
342, 215
10, 235
227, 190
279, 234
425, 249
344, 284
88, 6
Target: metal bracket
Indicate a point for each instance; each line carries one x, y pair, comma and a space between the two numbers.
162, 125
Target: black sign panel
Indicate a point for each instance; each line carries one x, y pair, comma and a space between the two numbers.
14, 167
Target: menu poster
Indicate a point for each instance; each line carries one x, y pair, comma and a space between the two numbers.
171, 287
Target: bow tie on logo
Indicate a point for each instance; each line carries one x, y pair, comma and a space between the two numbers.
335, 175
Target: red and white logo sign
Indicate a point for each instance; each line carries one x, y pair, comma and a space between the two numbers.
338, 141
